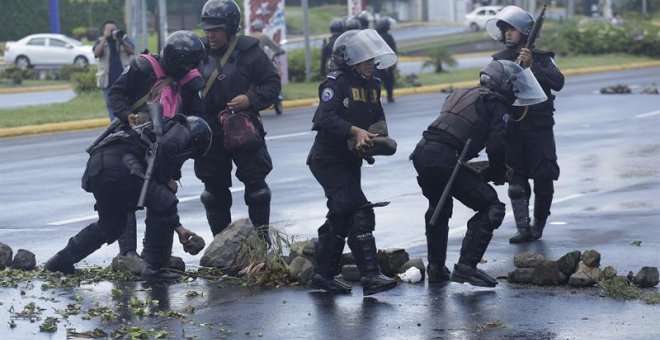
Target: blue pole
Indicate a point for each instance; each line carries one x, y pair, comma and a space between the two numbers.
54, 6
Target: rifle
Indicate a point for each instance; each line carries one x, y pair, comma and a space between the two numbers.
452, 178
156, 113
110, 129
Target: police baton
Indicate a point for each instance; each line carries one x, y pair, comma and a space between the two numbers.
452, 178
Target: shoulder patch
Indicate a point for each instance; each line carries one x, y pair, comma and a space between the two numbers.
327, 94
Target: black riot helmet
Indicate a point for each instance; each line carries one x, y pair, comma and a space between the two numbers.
337, 26
364, 18
200, 136
518, 86
383, 24
352, 24
183, 51
510, 17
223, 14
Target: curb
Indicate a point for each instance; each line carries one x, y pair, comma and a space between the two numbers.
102, 122
36, 88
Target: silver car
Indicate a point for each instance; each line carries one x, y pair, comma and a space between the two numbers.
48, 49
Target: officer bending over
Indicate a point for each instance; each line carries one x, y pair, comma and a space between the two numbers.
479, 114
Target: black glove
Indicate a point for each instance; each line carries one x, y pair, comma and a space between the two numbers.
495, 174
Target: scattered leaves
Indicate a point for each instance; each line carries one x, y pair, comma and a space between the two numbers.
637, 243
96, 333
49, 325
490, 325
193, 293
161, 334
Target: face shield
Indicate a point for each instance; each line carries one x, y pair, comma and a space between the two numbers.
512, 15
361, 45
527, 89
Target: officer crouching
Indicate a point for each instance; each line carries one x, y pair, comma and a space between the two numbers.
115, 174
349, 106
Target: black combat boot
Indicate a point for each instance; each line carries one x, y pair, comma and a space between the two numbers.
542, 203
218, 211
128, 240
149, 273
364, 251
520, 208
473, 248
436, 242
79, 247
328, 254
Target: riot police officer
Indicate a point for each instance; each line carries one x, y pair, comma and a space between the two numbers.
336, 29
530, 147
133, 89
349, 105
387, 75
364, 17
479, 114
114, 174
247, 82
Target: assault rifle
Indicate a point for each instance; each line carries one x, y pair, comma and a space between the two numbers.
156, 113
452, 178
534, 34
110, 129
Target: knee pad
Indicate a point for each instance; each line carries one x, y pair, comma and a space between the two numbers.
363, 220
544, 186
164, 219
496, 212
517, 191
256, 197
217, 199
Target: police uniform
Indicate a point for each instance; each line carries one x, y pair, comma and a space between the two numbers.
135, 82
247, 71
113, 174
346, 99
480, 115
530, 142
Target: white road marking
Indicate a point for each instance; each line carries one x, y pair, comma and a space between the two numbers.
460, 230
648, 114
289, 135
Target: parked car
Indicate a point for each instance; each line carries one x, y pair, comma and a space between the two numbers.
476, 20
48, 49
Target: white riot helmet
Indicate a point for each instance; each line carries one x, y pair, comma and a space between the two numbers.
356, 46
510, 80
513, 16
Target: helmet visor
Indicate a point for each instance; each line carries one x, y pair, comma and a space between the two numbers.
512, 15
364, 45
527, 89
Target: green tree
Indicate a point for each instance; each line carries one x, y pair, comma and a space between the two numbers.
89, 5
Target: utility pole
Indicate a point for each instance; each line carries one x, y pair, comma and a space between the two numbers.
54, 7
162, 20
308, 53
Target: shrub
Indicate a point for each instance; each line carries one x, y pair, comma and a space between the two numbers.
79, 32
439, 56
68, 71
16, 74
85, 81
296, 62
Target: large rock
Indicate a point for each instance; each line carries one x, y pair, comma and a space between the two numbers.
346, 259
177, 263
520, 275
585, 276
528, 259
350, 272
546, 273
6, 254
591, 258
417, 263
133, 264
234, 248
390, 260
569, 262
645, 278
24, 260
301, 269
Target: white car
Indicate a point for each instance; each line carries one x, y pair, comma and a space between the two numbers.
476, 20
48, 49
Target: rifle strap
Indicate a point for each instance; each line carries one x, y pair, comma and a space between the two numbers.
523, 115
223, 61
151, 92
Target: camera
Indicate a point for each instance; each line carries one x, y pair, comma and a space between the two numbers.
118, 34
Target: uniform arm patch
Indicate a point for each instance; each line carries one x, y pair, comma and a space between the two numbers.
327, 94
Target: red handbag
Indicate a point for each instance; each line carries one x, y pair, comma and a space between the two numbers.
240, 133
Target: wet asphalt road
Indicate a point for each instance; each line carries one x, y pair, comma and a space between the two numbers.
608, 195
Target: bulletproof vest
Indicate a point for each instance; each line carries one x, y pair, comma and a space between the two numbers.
230, 82
361, 102
460, 115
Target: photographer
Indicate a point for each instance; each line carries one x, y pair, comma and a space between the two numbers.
114, 51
